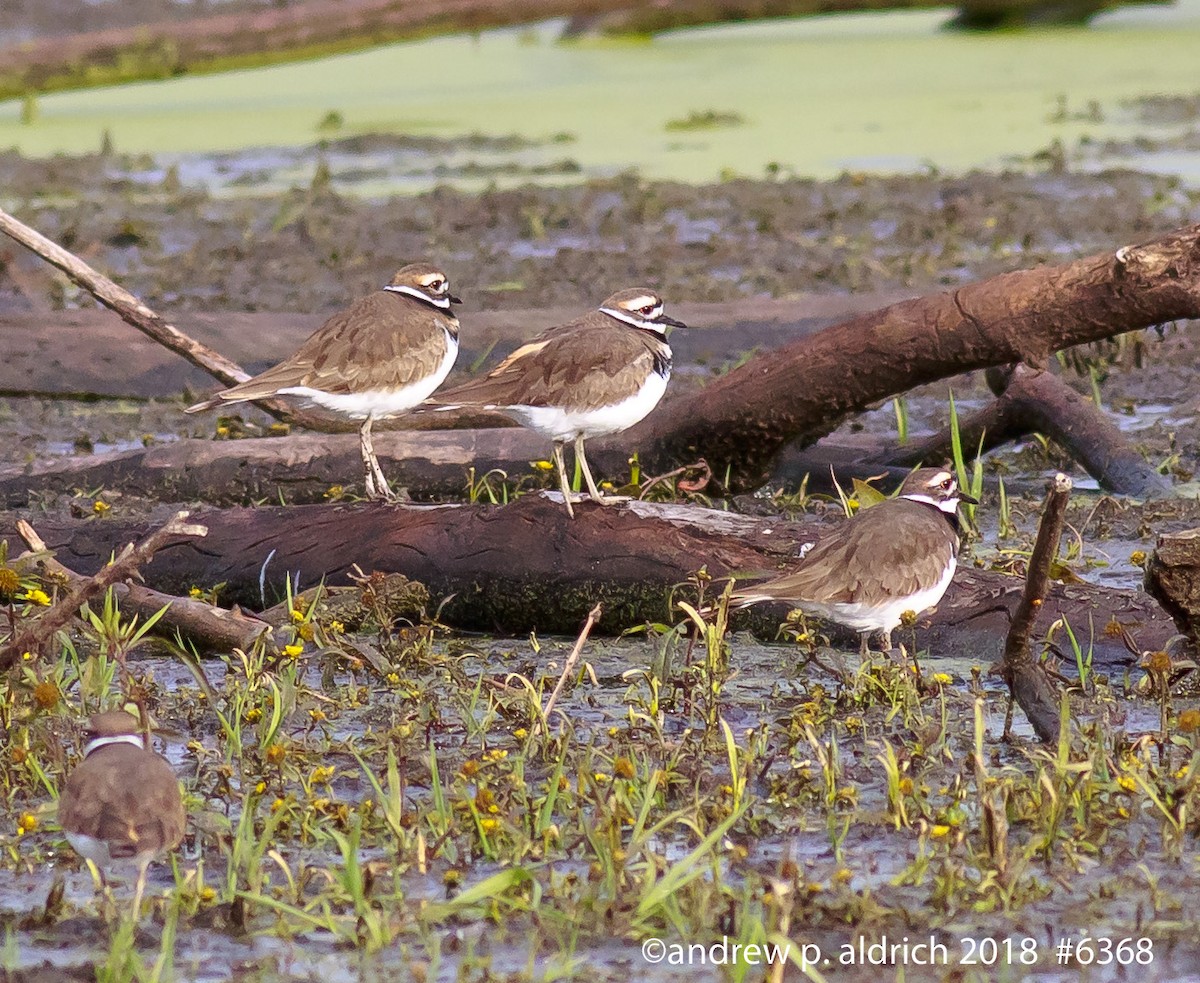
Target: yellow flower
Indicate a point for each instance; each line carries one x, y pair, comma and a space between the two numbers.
222, 430
306, 632
208, 894
27, 823
520, 733
321, 775
45, 695
38, 596
1138, 558
278, 804
276, 753
939, 831
335, 492
253, 715
10, 580
496, 754
99, 507
27, 656
489, 825
297, 615
393, 678
293, 651
943, 678
1126, 784
336, 627
601, 778
1189, 721
317, 715
541, 465
260, 788
195, 592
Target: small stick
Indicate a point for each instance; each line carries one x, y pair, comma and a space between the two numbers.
126, 565
133, 311
1027, 681
215, 628
572, 659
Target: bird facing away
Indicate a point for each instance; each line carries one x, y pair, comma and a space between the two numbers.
121, 804
598, 374
383, 355
897, 556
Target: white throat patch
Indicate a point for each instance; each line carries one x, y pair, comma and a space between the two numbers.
96, 743
947, 505
442, 302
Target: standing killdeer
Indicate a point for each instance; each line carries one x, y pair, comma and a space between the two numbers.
122, 802
897, 556
596, 375
385, 354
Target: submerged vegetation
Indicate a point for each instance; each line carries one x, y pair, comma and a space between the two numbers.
388, 787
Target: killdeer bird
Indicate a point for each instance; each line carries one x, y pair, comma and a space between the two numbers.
384, 355
598, 374
121, 804
897, 556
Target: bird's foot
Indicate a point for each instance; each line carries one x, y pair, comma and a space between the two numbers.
378, 489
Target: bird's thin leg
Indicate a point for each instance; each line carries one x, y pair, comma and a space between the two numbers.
139, 890
376, 484
562, 476
864, 648
581, 457
887, 639
595, 492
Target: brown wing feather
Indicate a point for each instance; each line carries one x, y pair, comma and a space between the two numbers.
139, 784
384, 341
578, 366
864, 558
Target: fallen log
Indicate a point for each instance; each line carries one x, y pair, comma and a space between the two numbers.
209, 627
739, 422
1173, 579
1030, 400
126, 560
526, 566
89, 353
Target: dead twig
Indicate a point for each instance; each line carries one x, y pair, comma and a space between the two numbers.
133, 311
569, 667
1028, 682
210, 627
125, 565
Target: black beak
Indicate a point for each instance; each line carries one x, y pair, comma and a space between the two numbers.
454, 300
670, 321
966, 499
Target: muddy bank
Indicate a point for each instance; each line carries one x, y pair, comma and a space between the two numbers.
314, 249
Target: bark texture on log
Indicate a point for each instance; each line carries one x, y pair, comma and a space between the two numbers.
1173, 579
526, 566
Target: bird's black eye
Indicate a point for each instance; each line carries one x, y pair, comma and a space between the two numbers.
648, 309
436, 285
948, 484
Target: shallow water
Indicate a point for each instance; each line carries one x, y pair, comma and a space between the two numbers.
887, 92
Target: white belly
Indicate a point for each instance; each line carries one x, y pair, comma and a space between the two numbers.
881, 617
556, 423
379, 403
